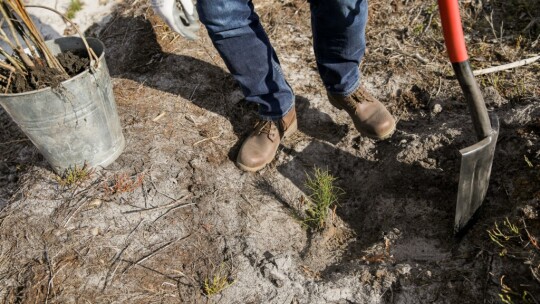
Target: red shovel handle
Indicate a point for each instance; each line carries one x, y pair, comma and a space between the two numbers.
453, 31
455, 43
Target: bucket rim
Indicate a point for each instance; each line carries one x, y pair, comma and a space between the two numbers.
86, 71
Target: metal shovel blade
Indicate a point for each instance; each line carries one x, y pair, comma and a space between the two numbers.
476, 162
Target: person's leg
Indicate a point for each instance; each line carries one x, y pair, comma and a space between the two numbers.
240, 39
339, 42
238, 36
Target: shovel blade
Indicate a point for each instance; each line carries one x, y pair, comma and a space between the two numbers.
476, 162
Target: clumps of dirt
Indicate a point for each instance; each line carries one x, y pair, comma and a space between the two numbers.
37, 78
73, 62
41, 77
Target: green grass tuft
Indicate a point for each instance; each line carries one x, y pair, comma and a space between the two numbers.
218, 282
73, 8
323, 196
74, 176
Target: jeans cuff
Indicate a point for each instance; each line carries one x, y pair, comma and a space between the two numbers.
277, 117
349, 91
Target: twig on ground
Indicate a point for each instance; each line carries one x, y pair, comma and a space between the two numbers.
427, 27
160, 273
173, 208
160, 116
76, 210
117, 256
209, 138
247, 200
532, 239
193, 93
164, 194
490, 21
415, 55
440, 86
533, 22
173, 204
506, 66
50, 273
153, 253
110, 276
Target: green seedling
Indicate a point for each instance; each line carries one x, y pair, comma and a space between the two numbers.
217, 283
323, 197
74, 176
73, 8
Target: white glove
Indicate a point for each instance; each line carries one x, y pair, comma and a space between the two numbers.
180, 15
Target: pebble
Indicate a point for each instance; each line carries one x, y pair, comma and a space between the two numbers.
437, 108
95, 203
404, 269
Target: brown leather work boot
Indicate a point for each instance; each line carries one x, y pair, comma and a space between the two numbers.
370, 116
261, 145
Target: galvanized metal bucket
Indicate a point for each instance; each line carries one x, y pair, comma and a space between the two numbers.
77, 122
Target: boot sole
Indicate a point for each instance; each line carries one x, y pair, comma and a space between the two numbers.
292, 128
381, 137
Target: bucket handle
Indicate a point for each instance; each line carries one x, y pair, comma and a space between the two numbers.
91, 54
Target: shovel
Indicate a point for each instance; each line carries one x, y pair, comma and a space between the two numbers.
477, 159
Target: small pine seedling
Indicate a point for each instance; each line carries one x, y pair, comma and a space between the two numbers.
323, 196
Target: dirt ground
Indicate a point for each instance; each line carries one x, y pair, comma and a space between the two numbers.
189, 215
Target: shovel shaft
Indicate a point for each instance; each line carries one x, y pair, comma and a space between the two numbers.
455, 44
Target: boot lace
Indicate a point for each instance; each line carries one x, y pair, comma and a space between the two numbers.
264, 127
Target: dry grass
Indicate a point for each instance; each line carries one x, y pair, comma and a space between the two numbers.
122, 183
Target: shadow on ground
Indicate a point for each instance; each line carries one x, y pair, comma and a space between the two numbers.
382, 194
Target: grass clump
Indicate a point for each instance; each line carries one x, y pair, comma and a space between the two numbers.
217, 282
73, 176
74, 7
323, 197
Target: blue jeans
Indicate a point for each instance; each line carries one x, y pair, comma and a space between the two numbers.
338, 41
